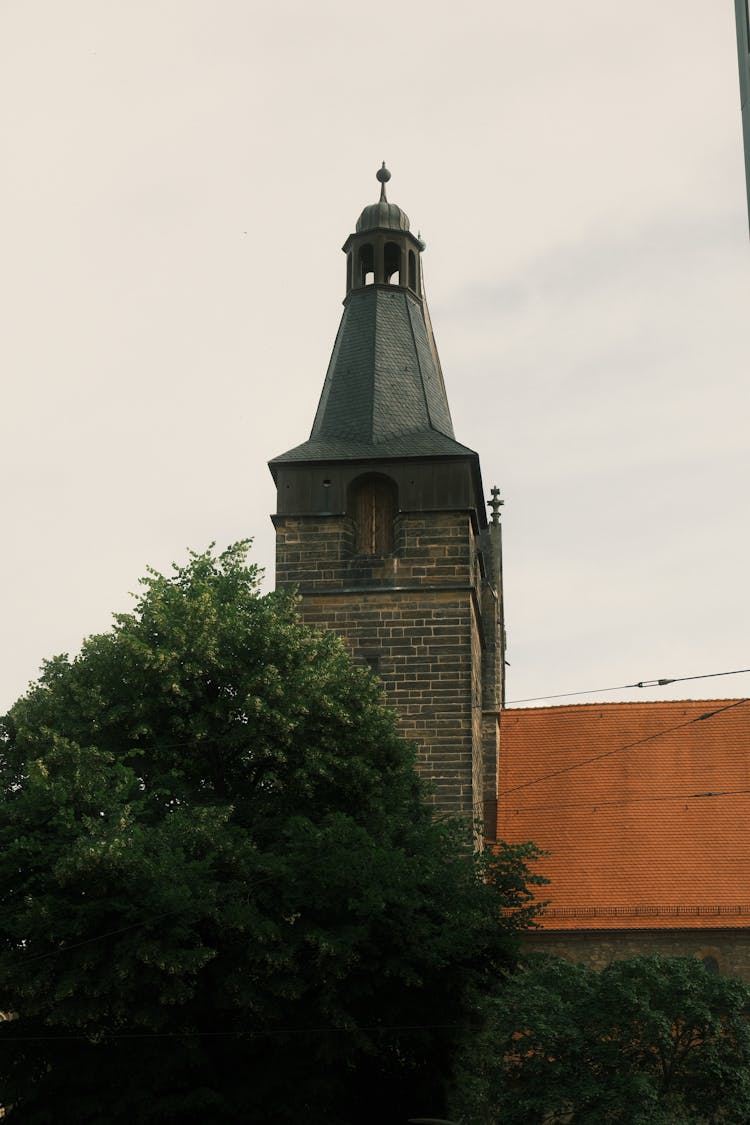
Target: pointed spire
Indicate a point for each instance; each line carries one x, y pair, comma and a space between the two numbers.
383, 394
384, 176
495, 503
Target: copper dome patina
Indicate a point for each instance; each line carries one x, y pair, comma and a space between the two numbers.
382, 215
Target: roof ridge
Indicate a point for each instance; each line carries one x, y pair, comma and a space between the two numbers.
623, 703
420, 370
646, 909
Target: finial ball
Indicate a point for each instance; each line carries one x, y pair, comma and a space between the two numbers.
383, 175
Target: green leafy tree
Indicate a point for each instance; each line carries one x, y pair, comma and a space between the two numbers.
223, 895
648, 1041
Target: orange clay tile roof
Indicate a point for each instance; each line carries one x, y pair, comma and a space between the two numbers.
644, 836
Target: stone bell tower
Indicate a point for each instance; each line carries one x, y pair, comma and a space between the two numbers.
381, 520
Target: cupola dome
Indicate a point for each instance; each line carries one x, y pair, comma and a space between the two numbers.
382, 215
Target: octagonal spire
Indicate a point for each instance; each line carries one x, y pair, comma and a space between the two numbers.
383, 394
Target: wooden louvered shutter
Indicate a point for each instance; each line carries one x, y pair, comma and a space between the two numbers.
374, 512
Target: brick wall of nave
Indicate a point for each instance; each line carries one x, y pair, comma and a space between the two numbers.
730, 948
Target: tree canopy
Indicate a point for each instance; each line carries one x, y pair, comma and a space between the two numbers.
648, 1041
224, 895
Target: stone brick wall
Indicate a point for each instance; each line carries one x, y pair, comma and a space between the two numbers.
490, 751
493, 670
730, 948
415, 618
477, 741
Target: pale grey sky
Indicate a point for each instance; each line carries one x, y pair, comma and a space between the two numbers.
178, 180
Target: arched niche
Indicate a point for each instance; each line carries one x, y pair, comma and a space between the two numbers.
710, 958
366, 264
392, 263
373, 504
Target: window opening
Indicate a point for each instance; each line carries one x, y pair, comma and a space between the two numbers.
392, 263
366, 259
412, 270
373, 506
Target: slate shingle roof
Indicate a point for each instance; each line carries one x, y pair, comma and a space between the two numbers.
384, 394
642, 836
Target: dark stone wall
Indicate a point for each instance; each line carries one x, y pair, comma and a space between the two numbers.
414, 617
730, 948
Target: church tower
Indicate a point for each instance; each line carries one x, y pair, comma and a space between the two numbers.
381, 521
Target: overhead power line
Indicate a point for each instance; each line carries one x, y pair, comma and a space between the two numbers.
662, 682
626, 746
594, 803
240, 1033
132, 925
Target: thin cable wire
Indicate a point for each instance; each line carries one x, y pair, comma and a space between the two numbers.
630, 801
626, 687
132, 926
626, 746
231, 1034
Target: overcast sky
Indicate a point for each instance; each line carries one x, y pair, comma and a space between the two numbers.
178, 180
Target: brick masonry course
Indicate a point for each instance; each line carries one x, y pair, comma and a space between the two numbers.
414, 617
